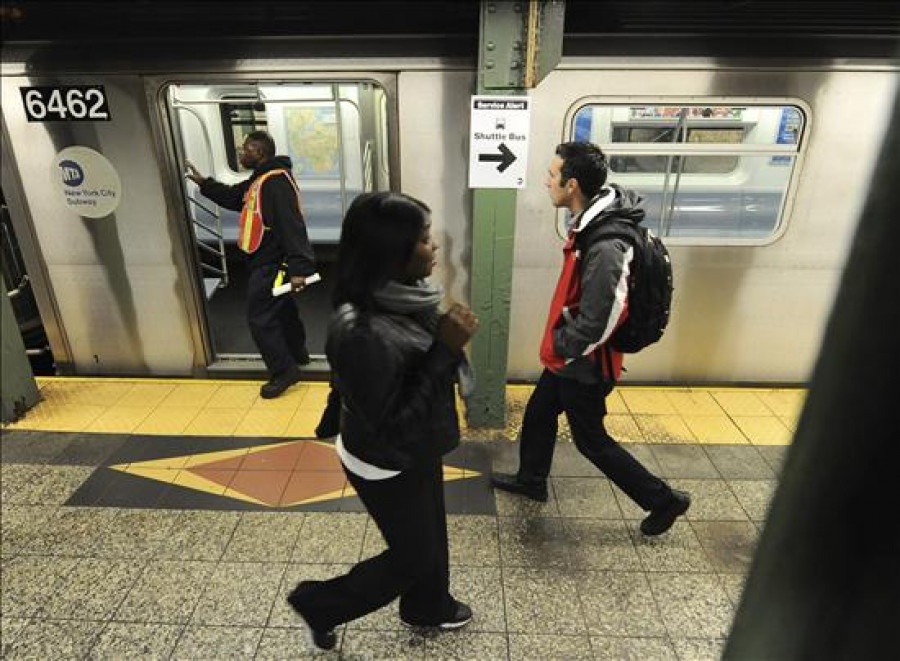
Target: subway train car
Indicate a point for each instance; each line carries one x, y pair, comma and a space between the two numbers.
753, 171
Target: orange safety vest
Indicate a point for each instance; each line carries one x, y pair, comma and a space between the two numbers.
250, 231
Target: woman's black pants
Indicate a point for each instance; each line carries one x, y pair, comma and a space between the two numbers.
410, 513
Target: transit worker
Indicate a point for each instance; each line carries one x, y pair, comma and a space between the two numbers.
395, 360
580, 366
273, 232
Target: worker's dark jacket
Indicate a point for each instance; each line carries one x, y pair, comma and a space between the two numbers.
285, 238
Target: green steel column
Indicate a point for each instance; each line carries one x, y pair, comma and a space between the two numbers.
494, 218
520, 42
18, 390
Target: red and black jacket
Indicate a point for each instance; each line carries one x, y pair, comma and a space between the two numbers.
591, 297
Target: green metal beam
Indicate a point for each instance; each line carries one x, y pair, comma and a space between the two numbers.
494, 218
520, 42
18, 390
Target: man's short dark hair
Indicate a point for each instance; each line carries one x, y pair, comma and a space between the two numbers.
586, 163
265, 142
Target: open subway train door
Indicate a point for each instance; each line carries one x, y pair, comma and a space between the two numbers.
336, 134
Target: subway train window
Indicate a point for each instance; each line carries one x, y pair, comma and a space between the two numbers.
707, 172
238, 121
709, 164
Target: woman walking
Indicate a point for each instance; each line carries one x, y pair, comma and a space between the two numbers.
395, 359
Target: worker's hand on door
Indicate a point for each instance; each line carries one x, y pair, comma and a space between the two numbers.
192, 173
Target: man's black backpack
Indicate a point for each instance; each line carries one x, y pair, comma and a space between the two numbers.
649, 284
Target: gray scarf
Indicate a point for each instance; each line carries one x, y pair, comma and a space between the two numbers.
420, 302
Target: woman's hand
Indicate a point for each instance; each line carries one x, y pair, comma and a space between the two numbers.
456, 327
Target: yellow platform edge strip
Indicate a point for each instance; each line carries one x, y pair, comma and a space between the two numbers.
324, 384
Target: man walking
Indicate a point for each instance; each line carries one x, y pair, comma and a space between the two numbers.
273, 232
580, 365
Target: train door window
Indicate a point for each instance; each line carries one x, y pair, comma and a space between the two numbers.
238, 121
336, 136
715, 173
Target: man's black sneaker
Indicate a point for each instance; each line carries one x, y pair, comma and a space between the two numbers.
278, 384
659, 521
460, 618
507, 482
321, 640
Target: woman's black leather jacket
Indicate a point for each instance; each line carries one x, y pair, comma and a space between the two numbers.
396, 386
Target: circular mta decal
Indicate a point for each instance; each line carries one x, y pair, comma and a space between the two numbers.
88, 182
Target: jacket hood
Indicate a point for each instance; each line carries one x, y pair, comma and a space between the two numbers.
625, 205
276, 163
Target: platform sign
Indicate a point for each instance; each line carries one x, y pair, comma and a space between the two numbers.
498, 141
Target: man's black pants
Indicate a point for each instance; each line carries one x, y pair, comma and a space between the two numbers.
585, 408
274, 324
410, 513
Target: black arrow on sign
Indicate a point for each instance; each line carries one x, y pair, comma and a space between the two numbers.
505, 158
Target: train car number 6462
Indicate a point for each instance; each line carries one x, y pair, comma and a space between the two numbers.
80, 103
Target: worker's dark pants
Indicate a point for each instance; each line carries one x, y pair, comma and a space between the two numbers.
274, 323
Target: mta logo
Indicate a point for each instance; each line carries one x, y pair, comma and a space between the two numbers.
72, 174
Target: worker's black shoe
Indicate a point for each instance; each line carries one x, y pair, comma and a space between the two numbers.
659, 521
461, 616
321, 640
279, 383
508, 482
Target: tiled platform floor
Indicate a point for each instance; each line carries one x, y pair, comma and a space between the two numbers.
234, 408
569, 579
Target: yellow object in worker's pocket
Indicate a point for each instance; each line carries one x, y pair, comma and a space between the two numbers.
281, 277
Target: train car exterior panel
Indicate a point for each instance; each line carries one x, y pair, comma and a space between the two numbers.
434, 164
115, 281
742, 312
125, 290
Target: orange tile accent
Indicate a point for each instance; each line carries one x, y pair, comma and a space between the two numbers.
222, 478
205, 459
310, 487
230, 464
264, 486
284, 457
319, 457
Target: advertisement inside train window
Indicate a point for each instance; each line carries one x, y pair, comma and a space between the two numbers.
313, 140
788, 132
704, 171
676, 112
